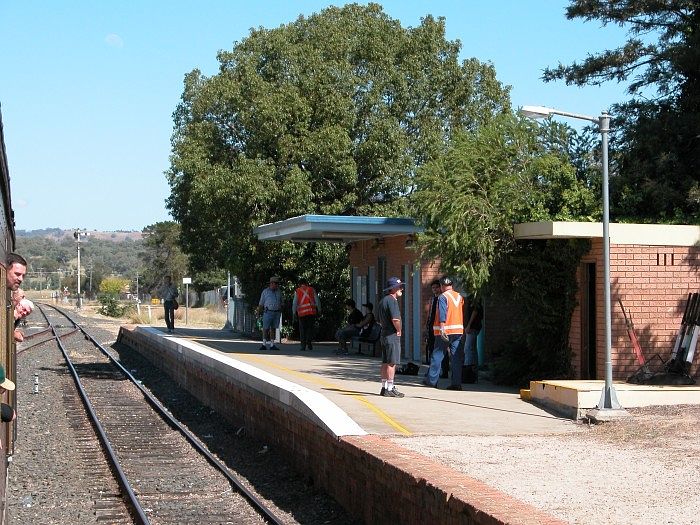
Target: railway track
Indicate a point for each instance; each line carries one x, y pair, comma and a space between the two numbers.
163, 474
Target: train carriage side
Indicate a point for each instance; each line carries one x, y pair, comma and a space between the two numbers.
7, 352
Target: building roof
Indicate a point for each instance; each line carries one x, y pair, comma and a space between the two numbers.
643, 234
335, 228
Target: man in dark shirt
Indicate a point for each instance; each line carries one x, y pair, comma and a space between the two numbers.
350, 330
390, 318
430, 336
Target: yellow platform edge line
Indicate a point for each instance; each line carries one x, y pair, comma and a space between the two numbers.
327, 384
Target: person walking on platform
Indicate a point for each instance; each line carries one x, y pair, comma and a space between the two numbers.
305, 307
429, 335
390, 318
270, 306
168, 293
448, 332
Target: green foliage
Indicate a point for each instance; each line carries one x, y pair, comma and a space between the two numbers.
507, 171
655, 142
162, 255
56, 256
110, 305
110, 288
538, 280
330, 114
113, 285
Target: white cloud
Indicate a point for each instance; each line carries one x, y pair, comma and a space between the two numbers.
114, 40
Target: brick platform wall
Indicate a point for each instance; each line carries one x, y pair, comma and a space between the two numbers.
371, 477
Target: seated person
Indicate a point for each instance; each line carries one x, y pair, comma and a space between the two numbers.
368, 320
351, 329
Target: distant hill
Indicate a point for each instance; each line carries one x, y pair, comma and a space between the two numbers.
59, 234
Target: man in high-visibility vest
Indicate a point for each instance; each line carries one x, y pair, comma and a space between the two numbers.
306, 306
448, 329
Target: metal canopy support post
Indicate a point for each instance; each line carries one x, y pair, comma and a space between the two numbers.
228, 325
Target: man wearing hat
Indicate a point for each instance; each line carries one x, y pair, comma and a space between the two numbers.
448, 329
270, 306
389, 316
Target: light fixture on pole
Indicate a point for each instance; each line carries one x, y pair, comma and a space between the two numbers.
78, 235
608, 397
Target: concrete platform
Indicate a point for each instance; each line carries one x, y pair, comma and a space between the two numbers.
573, 399
352, 383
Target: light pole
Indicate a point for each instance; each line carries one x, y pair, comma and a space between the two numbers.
608, 397
78, 234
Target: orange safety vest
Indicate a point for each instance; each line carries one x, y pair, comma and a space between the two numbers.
454, 324
306, 301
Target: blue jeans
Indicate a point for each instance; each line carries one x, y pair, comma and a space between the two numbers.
456, 359
470, 357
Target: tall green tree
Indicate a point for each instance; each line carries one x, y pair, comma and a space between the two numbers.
508, 171
657, 133
330, 114
161, 255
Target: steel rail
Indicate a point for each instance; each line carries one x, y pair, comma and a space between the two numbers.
142, 519
163, 411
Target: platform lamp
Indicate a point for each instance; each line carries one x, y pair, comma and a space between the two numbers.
608, 397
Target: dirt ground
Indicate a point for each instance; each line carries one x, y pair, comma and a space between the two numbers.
640, 470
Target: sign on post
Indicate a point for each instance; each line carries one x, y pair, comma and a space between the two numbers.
187, 281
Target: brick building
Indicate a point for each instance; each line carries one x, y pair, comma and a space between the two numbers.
653, 268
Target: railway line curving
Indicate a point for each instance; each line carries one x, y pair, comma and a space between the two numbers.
170, 480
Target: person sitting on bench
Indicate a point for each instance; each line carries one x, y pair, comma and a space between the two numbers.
351, 329
368, 320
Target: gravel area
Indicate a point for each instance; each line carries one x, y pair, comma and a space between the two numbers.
44, 489
643, 470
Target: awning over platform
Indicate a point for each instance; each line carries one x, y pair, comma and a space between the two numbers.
335, 228
642, 234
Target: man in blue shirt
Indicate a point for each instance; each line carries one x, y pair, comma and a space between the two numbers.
270, 306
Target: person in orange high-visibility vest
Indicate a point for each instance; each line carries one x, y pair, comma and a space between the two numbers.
305, 307
448, 329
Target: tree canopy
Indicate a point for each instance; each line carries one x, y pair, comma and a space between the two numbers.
161, 254
656, 134
508, 171
330, 114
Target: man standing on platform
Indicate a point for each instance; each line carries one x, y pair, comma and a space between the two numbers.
270, 307
390, 319
306, 306
430, 336
448, 332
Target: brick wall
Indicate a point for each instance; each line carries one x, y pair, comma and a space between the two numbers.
653, 283
366, 253
371, 477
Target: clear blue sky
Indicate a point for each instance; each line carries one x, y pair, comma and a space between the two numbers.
87, 88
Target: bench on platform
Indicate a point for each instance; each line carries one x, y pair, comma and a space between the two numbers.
371, 339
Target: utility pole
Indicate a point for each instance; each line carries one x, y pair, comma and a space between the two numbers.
78, 234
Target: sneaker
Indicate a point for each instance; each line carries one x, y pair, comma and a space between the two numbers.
387, 393
427, 383
382, 391
454, 387
311, 347
274, 347
262, 347
397, 393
